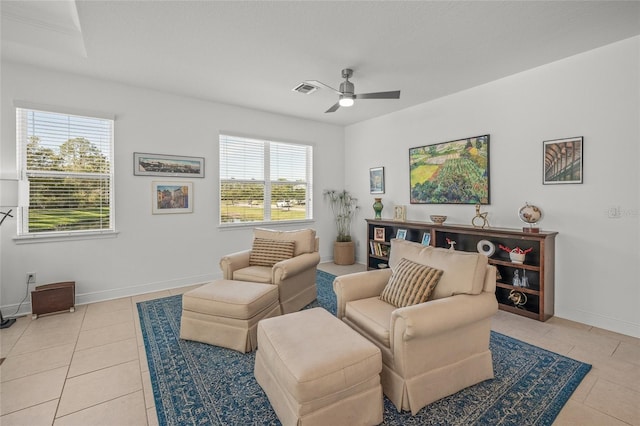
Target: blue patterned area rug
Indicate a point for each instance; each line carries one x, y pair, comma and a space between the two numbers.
198, 384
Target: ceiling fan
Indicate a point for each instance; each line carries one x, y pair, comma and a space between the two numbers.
346, 92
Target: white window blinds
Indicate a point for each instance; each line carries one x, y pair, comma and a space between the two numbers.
67, 162
264, 181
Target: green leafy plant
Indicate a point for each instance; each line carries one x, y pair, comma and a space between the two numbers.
344, 207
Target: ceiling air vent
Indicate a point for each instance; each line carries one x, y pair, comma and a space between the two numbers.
305, 88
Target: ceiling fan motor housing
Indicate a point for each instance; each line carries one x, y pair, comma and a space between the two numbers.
346, 87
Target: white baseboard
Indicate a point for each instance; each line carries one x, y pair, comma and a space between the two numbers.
596, 320
117, 293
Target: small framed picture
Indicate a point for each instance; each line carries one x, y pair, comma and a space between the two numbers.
402, 234
426, 239
172, 197
378, 234
400, 213
562, 161
376, 180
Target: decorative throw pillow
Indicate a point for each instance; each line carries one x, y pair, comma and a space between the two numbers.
410, 283
269, 252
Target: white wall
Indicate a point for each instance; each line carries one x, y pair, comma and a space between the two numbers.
595, 95
151, 252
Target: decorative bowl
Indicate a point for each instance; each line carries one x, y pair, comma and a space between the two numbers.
437, 219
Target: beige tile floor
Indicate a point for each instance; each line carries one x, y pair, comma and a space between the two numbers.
89, 367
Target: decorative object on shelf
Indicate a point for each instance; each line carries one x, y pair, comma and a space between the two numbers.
516, 281
518, 298
434, 169
524, 281
516, 254
172, 197
382, 265
480, 219
376, 180
344, 207
401, 234
486, 247
426, 239
562, 161
438, 219
530, 214
167, 165
377, 207
378, 234
400, 213
451, 244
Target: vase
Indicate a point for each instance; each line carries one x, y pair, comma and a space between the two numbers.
516, 257
377, 207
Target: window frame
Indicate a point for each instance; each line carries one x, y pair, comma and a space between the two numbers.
266, 181
24, 235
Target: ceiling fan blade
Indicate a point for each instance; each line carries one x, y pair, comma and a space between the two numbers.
333, 108
320, 84
379, 95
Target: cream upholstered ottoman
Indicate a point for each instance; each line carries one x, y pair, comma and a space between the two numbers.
226, 313
316, 370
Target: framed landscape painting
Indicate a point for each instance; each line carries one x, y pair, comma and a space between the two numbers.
563, 161
172, 197
455, 172
167, 165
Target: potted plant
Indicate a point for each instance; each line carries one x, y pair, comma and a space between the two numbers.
344, 207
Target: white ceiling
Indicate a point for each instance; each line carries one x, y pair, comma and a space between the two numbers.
252, 53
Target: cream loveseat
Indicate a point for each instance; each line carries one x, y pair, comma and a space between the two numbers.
294, 274
431, 349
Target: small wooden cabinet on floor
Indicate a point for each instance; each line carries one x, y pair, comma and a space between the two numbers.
525, 289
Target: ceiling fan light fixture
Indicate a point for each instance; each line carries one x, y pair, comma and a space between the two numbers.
346, 101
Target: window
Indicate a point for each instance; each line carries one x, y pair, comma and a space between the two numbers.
264, 181
66, 169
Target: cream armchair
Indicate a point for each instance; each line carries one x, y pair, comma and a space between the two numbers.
431, 349
294, 276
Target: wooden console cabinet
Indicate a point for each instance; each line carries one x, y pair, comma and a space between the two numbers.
537, 269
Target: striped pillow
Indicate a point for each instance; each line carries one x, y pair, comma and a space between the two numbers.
410, 283
269, 252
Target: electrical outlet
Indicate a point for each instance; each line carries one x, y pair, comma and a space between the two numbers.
31, 278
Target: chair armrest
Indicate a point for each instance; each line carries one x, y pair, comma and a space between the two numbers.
232, 262
291, 267
360, 285
437, 316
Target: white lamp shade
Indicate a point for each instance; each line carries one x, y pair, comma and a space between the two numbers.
8, 192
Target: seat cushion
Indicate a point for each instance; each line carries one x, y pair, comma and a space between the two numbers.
305, 239
266, 252
410, 283
372, 316
313, 354
230, 299
256, 274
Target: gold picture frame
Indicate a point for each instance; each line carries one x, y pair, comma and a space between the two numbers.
400, 213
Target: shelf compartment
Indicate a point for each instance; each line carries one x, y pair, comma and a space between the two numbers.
532, 305
514, 265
